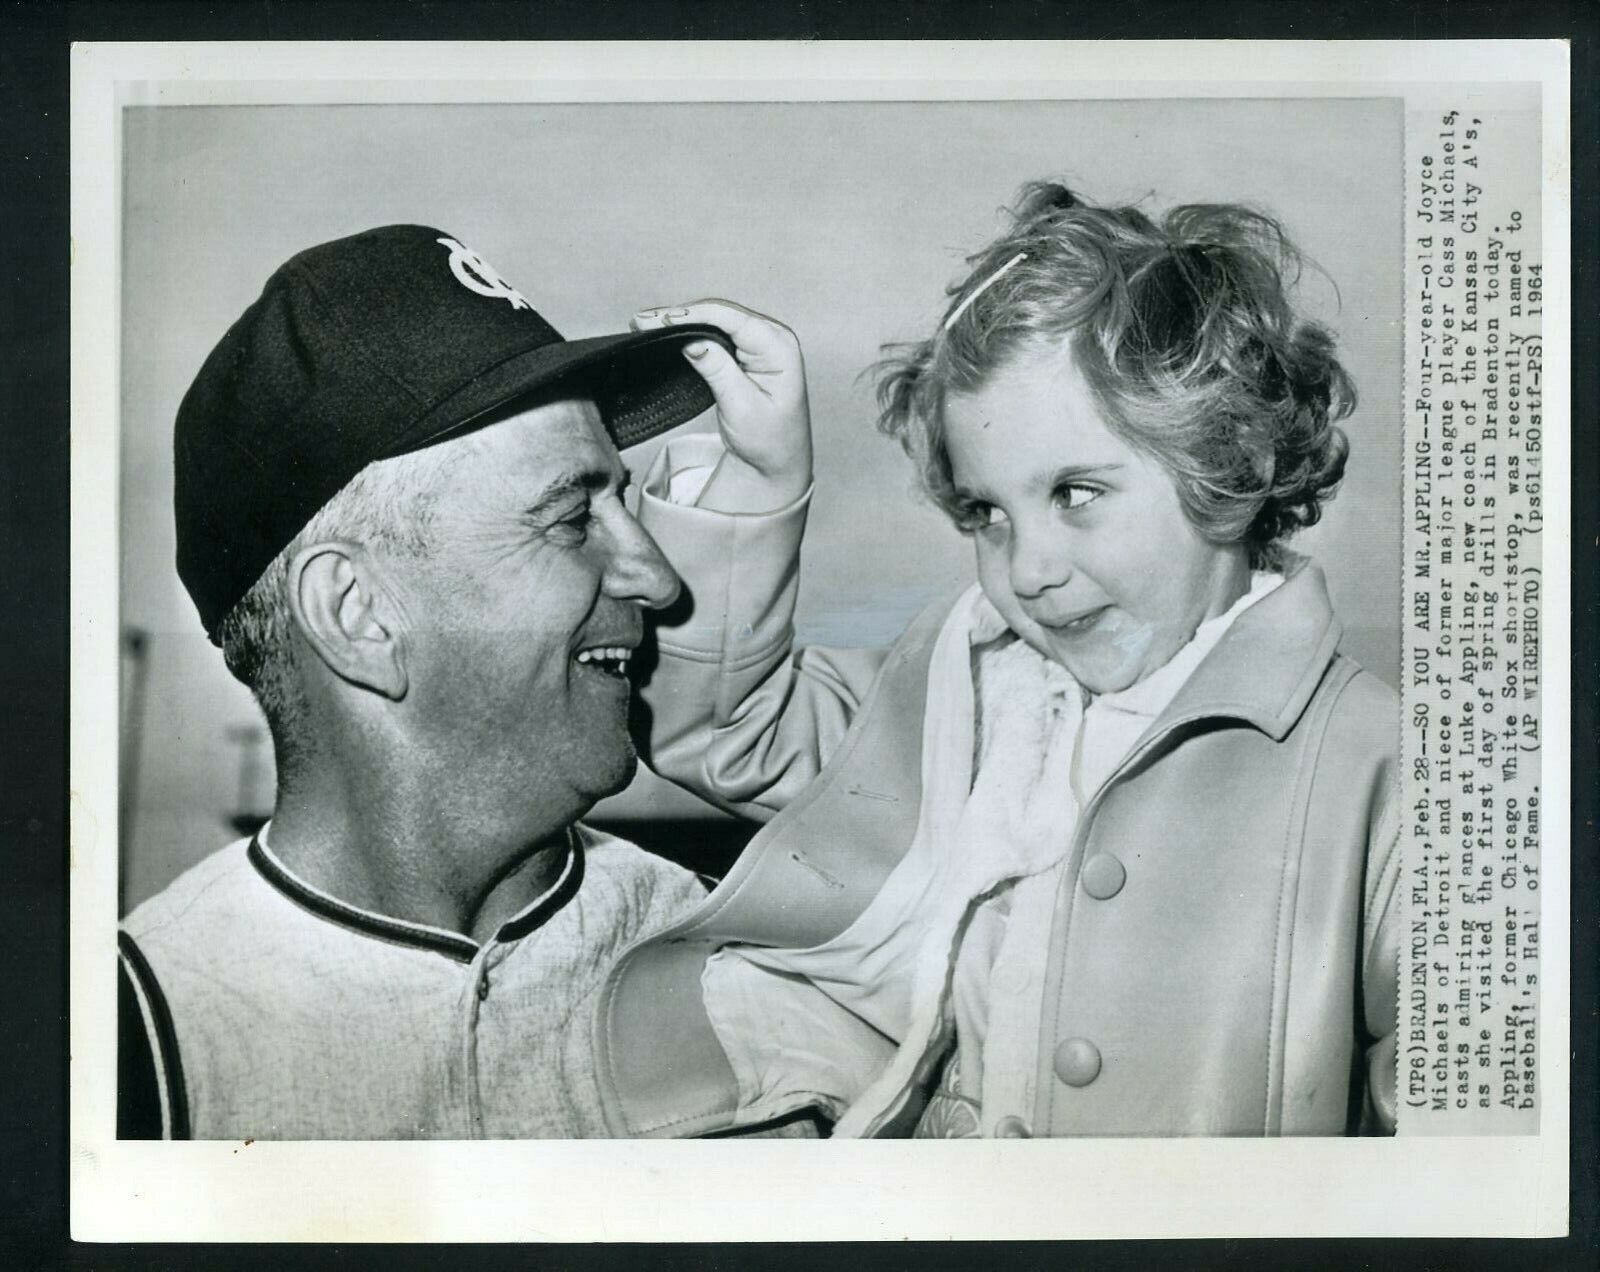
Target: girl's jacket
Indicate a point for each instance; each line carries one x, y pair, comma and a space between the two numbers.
1241, 979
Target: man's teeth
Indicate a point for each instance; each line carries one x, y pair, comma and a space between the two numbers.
612, 658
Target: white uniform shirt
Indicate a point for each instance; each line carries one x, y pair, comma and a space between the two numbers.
277, 1011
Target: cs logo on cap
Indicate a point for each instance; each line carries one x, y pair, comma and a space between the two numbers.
476, 274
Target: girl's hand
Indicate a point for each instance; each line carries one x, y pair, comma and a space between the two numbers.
761, 404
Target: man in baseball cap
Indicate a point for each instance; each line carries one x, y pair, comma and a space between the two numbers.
400, 514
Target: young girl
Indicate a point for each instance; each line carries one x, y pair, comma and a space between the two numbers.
1107, 847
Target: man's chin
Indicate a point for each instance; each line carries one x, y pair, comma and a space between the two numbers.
615, 772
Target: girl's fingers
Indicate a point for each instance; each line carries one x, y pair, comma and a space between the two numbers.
754, 334
651, 319
727, 380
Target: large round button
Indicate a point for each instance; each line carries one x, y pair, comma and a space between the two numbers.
1077, 1062
1012, 1127
1103, 876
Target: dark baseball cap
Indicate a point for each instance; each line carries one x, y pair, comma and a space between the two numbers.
369, 347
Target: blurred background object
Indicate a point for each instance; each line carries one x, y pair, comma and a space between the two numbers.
252, 806
135, 684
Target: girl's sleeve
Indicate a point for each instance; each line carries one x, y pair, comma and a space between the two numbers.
790, 1045
735, 713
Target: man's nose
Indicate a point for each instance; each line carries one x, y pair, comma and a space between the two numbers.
637, 570
1040, 561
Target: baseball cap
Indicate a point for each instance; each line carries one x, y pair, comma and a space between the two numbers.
373, 346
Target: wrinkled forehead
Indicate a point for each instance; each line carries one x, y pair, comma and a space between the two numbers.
564, 440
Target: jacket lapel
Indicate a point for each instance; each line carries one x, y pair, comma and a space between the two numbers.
1269, 664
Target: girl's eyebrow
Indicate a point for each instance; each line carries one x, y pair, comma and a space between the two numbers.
1072, 472
1046, 481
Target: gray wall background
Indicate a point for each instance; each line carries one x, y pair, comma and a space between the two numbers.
846, 220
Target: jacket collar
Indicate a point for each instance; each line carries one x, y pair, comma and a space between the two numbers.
1266, 668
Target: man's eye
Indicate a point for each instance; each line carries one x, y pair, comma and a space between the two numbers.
1072, 496
577, 525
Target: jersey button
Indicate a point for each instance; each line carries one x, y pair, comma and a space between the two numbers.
483, 988
1012, 1127
1103, 876
1077, 1062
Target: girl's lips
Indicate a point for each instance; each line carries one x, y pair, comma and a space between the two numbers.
1076, 626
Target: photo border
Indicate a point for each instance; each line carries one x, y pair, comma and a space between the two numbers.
634, 1191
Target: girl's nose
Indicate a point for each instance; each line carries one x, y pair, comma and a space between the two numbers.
1039, 562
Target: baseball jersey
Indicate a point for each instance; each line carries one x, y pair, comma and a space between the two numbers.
257, 1006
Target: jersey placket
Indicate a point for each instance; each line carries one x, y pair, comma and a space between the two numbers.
490, 956
475, 991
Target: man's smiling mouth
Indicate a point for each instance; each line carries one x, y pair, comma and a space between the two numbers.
609, 659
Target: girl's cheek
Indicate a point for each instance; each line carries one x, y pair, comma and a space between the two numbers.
1132, 638
994, 579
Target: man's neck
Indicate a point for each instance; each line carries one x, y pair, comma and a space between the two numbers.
405, 864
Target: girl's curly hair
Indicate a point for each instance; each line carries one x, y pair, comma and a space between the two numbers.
1184, 332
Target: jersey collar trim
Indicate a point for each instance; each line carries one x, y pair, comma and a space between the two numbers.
563, 890
453, 945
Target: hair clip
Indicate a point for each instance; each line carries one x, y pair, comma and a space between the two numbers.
981, 288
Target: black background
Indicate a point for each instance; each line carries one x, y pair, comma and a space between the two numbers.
35, 540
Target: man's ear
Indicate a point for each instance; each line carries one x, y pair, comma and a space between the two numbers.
348, 616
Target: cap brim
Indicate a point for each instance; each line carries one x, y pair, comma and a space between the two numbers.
640, 380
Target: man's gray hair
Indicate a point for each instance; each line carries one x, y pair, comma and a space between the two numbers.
390, 505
